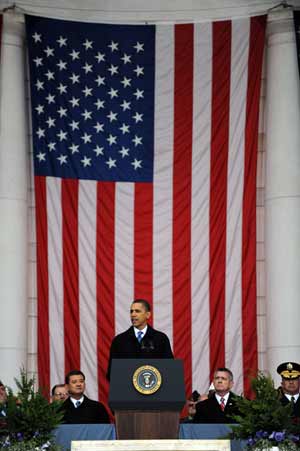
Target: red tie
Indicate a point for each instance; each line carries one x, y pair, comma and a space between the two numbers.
222, 404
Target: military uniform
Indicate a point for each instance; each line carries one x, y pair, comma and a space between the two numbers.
290, 371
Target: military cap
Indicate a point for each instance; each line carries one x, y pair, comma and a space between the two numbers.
289, 370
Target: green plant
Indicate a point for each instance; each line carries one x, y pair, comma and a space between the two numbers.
264, 422
29, 419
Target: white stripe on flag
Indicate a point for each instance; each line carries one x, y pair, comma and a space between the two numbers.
233, 305
163, 181
200, 206
87, 226
55, 274
124, 260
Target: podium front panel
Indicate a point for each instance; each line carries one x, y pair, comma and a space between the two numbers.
123, 394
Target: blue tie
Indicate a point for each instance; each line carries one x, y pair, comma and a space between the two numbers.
77, 404
139, 336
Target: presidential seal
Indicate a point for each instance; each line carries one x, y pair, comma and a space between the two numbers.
147, 379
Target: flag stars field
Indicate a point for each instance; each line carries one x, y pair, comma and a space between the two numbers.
91, 97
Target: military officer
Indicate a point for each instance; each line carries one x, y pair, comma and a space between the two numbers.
290, 385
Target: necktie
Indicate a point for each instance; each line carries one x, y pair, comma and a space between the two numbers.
222, 404
292, 400
139, 336
77, 404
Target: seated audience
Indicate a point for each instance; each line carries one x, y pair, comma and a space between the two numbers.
220, 407
290, 385
3, 399
59, 393
78, 408
191, 406
3, 418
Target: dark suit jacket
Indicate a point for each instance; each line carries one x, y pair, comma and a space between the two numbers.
154, 345
209, 411
88, 412
296, 408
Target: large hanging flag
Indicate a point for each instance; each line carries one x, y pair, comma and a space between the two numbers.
145, 150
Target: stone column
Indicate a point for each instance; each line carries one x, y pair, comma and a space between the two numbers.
282, 198
13, 200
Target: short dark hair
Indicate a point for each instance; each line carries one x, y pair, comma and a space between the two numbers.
1, 384
145, 303
55, 387
73, 373
225, 370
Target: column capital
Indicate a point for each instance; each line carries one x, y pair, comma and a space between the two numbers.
13, 28
280, 27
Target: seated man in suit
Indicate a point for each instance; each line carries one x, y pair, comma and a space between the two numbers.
220, 407
290, 385
140, 340
59, 392
78, 408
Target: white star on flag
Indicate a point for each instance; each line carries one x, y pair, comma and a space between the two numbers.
86, 161
62, 159
137, 164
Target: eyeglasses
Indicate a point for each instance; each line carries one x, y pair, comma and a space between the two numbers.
61, 395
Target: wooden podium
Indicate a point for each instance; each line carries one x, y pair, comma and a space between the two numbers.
139, 413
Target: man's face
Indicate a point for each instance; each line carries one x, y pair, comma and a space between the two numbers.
76, 386
60, 393
139, 315
290, 386
222, 382
3, 396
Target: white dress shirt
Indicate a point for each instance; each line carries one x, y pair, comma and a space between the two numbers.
289, 397
74, 401
136, 331
225, 397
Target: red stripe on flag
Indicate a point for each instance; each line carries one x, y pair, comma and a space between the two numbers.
218, 189
143, 241
183, 131
256, 48
42, 283
69, 197
105, 264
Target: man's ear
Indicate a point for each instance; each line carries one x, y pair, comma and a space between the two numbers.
148, 315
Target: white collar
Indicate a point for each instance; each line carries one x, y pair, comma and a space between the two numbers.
74, 401
136, 330
289, 397
225, 397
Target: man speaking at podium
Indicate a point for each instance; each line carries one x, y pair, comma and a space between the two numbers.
140, 340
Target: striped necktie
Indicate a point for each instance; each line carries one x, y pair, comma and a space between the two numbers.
140, 335
222, 404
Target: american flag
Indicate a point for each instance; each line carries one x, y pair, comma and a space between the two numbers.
145, 149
